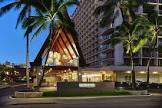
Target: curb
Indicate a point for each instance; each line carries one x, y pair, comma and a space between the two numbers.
84, 97
32, 103
54, 100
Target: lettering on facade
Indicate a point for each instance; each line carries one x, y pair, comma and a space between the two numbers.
87, 85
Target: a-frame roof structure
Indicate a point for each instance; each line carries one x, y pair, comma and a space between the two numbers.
63, 43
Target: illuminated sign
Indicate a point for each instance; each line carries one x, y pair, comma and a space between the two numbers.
87, 85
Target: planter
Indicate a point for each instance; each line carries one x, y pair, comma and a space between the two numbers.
28, 94
138, 92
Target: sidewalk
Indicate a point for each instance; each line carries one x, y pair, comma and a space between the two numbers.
54, 100
156, 94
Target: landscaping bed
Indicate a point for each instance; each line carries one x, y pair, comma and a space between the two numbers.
71, 94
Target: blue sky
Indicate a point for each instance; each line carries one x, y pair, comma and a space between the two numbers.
13, 43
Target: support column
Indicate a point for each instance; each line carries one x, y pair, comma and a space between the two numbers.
79, 73
37, 70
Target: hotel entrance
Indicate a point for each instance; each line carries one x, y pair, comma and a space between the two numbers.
54, 74
97, 76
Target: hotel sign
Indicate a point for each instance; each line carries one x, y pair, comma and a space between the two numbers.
87, 85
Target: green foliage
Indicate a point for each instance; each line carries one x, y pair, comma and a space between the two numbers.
133, 35
53, 16
136, 30
4, 70
74, 94
45, 11
49, 94
110, 10
22, 5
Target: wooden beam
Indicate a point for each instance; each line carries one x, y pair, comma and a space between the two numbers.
66, 46
76, 54
61, 47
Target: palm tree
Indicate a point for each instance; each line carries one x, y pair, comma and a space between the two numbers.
133, 39
155, 21
52, 17
110, 10
150, 23
25, 7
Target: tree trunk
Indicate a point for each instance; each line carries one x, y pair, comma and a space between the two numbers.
148, 66
133, 74
27, 55
132, 69
149, 61
148, 70
49, 48
27, 60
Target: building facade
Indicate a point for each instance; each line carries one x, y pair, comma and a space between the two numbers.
87, 26
98, 52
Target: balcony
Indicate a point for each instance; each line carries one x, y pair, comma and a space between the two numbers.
104, 38
154, 1
102, 56
105, 47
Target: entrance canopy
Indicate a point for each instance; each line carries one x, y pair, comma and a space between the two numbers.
64, 51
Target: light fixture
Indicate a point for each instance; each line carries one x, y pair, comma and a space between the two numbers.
69, 69
80, 73
39, 73
91, 75
7, 73
128, 72
155, 72
142, 72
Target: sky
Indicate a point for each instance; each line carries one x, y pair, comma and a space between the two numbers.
13, 43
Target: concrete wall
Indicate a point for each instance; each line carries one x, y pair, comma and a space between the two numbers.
118, 49
75, 87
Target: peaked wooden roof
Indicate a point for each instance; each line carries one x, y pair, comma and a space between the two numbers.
64, 43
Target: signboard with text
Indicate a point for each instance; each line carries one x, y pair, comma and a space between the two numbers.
87, 85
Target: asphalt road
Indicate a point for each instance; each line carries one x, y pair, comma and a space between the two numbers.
6, 92
120, 102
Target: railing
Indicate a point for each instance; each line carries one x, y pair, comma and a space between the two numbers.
104, 47
104, 37
153, 1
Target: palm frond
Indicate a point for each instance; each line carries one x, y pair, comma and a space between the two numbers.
22, 15
67, 3
7, 8
39, 30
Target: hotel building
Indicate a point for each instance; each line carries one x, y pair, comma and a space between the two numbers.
106, 62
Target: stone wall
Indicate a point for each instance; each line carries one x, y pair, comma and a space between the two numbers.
81, 87
28, 94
